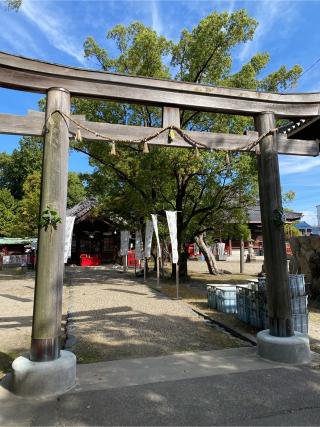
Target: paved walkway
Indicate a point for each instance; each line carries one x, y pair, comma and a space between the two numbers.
226, 387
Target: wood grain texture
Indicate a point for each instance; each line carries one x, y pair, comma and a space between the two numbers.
275, 257
33, 125
31, 75
46, 326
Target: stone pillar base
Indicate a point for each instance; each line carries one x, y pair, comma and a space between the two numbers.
292, 350
43, 379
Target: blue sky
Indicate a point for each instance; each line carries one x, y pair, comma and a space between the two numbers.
54, 31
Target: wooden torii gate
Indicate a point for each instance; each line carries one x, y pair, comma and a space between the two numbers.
59, 83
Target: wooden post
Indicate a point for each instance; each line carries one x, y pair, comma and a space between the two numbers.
275, 258
241, 255
230, 247
46, 326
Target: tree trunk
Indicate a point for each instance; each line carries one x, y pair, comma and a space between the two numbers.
208, 255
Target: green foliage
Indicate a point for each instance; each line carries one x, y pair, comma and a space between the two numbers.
76, 190
49, 218
23, 161
28, 207
203, 55
8, 208
20, 178
14, 4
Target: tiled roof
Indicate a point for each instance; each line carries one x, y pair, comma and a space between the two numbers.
303, 226
81, 210
254, 215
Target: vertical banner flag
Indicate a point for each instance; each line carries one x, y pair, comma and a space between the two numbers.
148, 239
155, 226
68, 237
172, 224
138, 245
124, 241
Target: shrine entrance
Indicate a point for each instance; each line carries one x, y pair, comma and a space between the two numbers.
57, 125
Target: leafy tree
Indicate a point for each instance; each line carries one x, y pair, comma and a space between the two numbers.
14, 4
76, 189
28, 207
206, 190
20, 177
8, 207
15, 167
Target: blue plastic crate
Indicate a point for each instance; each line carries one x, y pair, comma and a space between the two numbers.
243, 301
212, 293
300, 323
299, 304
226, 299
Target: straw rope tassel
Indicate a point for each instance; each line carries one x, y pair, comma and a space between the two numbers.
145, 148
78, 136
113, 149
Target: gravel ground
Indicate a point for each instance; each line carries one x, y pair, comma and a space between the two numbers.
16, 307
115, 316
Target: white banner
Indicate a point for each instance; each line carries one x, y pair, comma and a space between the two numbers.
148, 239
138, 245
68, 237
172, 224
124, 241
155, 227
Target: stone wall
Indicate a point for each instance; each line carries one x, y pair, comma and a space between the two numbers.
306, 260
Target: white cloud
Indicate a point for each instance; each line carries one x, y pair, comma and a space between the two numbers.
270, 15
155, 15
310, 217
19, 39
54, 27
295, 165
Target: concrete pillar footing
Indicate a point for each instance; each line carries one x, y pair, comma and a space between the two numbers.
43, 379
293, 350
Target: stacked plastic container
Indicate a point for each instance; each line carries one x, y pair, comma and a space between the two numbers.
299, 302
250, 302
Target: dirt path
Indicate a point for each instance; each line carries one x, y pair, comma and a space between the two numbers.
115, 317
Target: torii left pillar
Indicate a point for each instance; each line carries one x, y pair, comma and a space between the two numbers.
48, 370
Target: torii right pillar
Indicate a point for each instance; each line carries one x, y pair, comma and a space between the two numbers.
280, 343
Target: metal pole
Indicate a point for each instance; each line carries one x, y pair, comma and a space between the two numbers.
46, 324
241, 255
177, 279
158, 268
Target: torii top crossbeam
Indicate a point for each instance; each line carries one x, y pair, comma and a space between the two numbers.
37, 76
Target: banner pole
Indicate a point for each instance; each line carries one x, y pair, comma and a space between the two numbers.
177, 279
158, 268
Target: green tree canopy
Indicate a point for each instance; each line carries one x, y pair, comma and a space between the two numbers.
208, 190
20, 182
